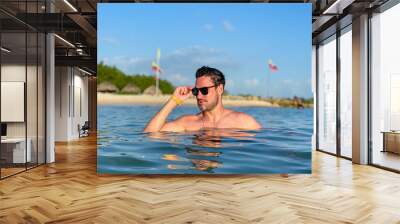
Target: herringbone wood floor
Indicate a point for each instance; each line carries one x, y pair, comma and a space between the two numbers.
70, 191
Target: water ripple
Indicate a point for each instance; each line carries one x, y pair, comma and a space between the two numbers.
282, 146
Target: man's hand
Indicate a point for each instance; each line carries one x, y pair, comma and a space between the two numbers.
183, 92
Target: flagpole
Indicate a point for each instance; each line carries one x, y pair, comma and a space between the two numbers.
157, 72
157, 82
268, 82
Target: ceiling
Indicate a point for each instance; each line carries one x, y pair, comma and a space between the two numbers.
76, 22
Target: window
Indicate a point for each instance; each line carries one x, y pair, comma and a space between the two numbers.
22, 76
346, 92
327, 95
385, 88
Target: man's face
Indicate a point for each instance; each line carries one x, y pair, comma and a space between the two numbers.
209, 101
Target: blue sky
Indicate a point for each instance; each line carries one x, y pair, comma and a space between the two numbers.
237, 39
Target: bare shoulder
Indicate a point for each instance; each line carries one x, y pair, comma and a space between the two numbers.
238, 115
187, 118
246, 121
178, 124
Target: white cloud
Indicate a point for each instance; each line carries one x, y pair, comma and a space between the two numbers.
105, 60
287, 81
110, 40
208, 27
230, 86
183, 61
228, 26
251, 82
229, 83
179, 79
128, 64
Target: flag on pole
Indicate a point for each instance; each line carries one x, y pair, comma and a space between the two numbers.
271, 66
155, 67
158, 55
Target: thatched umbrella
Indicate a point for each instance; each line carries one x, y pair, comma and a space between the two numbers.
151, 90
131, 89
107, 87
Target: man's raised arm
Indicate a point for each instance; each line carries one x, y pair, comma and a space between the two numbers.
157, 123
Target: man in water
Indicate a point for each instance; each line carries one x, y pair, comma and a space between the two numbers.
208, 90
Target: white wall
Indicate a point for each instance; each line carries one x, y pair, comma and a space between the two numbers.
70, 84
13, 101
62, 81
81, 100
14, 73
33, 126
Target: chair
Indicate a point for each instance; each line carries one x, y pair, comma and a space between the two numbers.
84, 130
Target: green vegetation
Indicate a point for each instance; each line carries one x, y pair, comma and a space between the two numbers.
106, 73
309, 101
282, 102
226, 93
292, 102
120, 79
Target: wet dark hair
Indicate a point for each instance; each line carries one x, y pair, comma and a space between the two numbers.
216, 75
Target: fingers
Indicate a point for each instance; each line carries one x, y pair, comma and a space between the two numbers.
189, 89
183, 90
179, 91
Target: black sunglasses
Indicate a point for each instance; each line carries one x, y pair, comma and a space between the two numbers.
203, 90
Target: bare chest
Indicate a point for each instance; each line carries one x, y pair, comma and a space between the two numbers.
223, 123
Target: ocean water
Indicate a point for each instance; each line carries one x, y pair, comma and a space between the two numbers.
282, 146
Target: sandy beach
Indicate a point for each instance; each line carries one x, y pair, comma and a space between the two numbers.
118, 99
